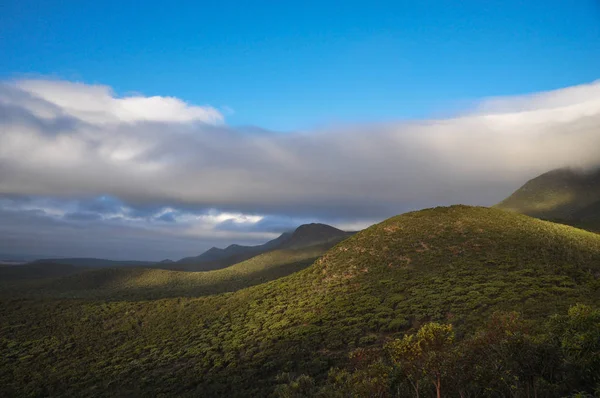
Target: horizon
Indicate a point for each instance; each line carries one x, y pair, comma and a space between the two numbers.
158, 133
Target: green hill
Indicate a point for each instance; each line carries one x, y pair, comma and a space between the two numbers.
564, 195
293, 252
147, 283
457, 265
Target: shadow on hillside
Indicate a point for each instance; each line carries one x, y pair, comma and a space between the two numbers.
68, 288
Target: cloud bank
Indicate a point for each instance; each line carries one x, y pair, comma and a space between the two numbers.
177, 163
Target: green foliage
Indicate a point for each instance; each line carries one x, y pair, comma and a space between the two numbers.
425, 355
578, 336
299, 387
504, 358
456, 265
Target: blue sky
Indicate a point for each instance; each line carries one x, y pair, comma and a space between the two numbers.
296, 65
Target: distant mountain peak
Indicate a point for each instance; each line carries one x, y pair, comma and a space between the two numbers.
316, 229
304, 236
312, 234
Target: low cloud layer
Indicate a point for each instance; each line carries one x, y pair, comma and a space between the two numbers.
175, 163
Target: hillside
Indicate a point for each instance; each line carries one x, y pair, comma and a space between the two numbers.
215, 258
147, 283
565, 195
458, 264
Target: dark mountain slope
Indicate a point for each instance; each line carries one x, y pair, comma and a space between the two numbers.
215, 258
458, 264
312, 234
304, 236
564, 195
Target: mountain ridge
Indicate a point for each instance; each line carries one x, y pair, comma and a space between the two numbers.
566, 195
215, 258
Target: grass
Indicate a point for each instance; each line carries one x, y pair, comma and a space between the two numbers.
456, 265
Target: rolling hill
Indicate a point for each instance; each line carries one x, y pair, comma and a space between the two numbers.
298, 250
148, 283
458, 264
564, 195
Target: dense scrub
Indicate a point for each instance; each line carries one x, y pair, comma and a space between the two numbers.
456, 265
504, 358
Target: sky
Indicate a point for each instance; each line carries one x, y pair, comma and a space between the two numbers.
130, 132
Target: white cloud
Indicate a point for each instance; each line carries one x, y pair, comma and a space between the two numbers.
62, 139
98, 105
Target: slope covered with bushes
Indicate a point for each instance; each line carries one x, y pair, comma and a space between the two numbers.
455, 265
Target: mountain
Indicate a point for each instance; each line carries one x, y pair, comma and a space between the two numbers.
96, 278
294, 253
312, 234
150, 283
215, 258
456, 265
564, 195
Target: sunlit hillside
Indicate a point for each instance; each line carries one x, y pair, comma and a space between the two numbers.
456, 265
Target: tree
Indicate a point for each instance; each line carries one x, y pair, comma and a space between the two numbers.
425, 355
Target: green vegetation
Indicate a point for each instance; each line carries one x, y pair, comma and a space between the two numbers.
335, 322
504, 358
145, 283
568, 196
